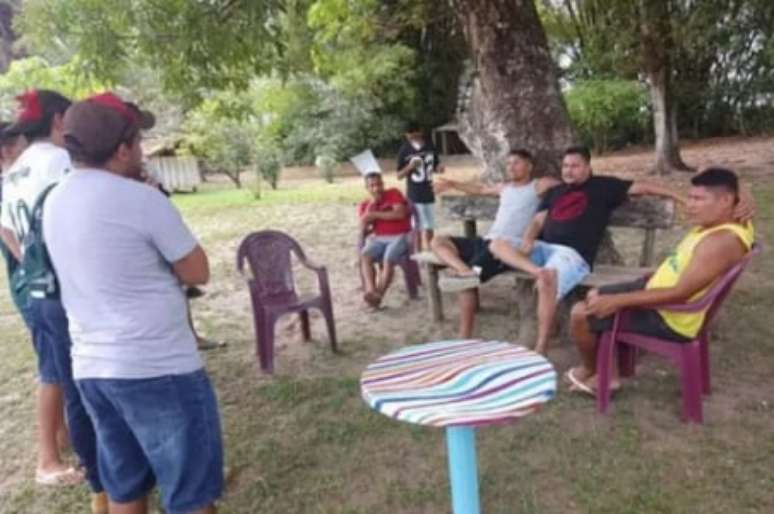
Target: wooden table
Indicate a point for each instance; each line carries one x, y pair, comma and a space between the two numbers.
459, 385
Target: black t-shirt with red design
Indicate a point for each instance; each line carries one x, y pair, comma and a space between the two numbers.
578, 214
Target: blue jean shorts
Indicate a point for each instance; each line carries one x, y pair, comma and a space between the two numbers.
425, 216
570, 267
161, 431
51, 340
386, 248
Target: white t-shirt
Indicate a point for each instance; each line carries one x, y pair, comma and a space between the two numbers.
112, 241
40, 165
518, 204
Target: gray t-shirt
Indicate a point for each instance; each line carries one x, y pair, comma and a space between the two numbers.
112, 241
518, 205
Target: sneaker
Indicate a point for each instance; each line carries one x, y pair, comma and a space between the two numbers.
453, 283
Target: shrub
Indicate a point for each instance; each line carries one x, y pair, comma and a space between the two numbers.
608, 113
268, 166
327, 166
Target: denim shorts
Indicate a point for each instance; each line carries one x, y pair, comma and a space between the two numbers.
570, 267
425, 216
161, 431
50, 338
388, 248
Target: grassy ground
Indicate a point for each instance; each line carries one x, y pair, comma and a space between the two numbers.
304, 442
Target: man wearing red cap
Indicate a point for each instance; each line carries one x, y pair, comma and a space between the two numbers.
123, 255
42, 164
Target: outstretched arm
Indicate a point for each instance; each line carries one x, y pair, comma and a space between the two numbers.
441, 185
711, 258
641, 187
546, 183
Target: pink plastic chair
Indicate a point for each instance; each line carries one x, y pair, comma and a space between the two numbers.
692, 358
273, 291
409, 267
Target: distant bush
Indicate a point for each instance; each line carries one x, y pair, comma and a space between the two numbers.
268, 165
308, 117
327, 166
609, 113
218, 133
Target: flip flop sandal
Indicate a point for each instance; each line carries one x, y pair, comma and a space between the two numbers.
577, 386
69, 476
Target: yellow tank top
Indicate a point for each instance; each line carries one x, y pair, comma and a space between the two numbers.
669, 272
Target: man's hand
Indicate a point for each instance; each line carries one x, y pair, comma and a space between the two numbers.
602, 305
745, 209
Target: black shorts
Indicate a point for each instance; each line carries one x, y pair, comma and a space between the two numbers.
647, 322
475, 252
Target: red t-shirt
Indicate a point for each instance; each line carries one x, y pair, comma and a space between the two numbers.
389, 198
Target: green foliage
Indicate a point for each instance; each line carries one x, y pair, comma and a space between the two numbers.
222, 134
307, 117
268, 165
193, 45
327, 166
608, 113
36, 72
720, 53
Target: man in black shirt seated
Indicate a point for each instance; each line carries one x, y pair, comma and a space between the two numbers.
570, 224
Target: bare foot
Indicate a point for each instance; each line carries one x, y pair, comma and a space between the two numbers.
372, 298
462, 273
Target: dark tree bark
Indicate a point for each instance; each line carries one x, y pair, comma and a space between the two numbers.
513, 97
656, 47
7, 36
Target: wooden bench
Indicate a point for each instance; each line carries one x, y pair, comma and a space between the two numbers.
646, 213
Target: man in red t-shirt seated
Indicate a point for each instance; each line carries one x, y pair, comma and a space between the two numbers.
385, 220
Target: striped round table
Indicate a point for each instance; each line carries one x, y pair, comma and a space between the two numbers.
459, 385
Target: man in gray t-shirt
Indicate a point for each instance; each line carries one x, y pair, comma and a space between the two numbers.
123, 255
471, 261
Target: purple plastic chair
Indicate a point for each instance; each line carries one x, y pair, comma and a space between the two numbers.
273, 291
410, 268
692, 358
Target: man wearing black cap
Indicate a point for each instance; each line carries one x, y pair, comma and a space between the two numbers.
122, 254
42, 164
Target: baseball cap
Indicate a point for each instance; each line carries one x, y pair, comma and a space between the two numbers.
96, 126
36, 110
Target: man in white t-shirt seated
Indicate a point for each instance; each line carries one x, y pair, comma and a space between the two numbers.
123, 254
471, 261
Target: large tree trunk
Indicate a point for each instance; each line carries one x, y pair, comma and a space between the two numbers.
655, 43
514, 99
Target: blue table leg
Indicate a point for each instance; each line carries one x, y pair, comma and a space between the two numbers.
463, 469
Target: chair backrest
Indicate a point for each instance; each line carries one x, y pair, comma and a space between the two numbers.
268, 254
720, 290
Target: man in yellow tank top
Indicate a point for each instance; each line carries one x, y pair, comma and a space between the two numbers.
720, 238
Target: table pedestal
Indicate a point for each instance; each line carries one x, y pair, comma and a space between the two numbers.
463, 469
